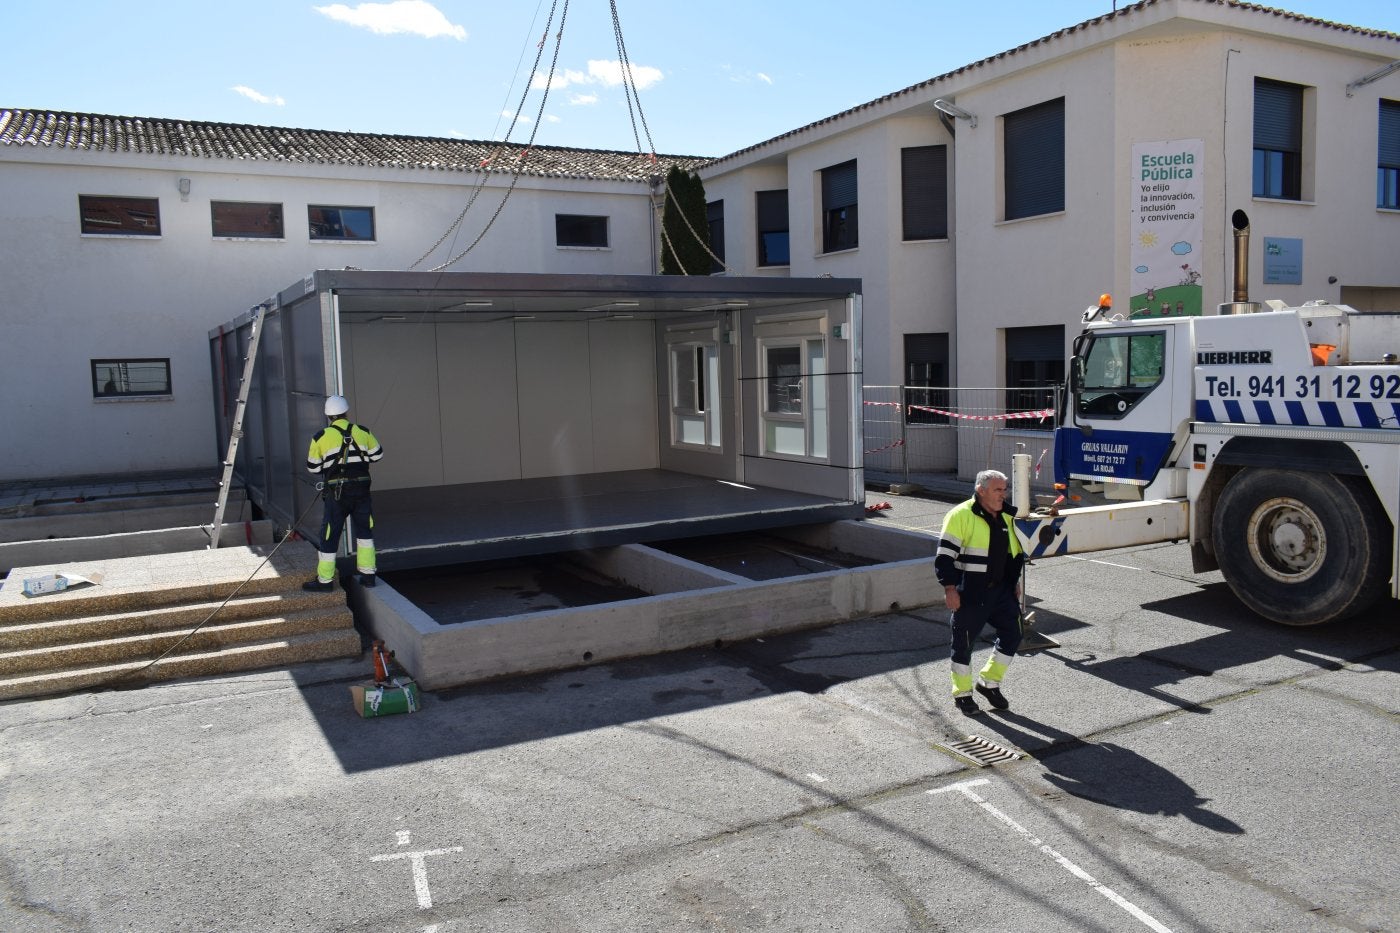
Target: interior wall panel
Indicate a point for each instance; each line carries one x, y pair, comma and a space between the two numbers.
393, 386
556, 405
480, 407
622, 370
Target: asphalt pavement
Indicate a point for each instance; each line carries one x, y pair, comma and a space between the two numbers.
1180, 765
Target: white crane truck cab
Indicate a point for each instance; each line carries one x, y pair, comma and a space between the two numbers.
1267, 435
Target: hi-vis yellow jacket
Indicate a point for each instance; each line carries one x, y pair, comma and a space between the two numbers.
961, 560
343, 451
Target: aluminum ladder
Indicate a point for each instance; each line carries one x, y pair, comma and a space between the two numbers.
245, 383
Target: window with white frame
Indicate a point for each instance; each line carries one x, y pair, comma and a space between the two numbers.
107, 215
794, 400
130, 378
342, 224
240, 219
696, 420
580, 230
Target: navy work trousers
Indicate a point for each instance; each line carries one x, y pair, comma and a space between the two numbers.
999, 608
352, 503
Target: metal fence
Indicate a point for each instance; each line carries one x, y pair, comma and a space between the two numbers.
941, 436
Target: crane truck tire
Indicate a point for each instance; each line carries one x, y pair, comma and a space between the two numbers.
1301, 548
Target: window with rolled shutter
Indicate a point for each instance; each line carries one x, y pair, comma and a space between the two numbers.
924, 180
1035, 367
1388, 156
1278, 140
772, 218
714, 217
926, 378
841, 229
1034, 151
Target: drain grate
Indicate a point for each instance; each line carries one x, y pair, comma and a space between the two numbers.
978, 751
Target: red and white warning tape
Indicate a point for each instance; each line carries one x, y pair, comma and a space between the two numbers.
899, 443
1009, 416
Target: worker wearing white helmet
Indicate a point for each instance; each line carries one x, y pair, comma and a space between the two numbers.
342, 453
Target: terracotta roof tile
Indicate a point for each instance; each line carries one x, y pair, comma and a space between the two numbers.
95, 132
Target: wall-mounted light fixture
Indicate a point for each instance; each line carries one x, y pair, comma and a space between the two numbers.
956, 112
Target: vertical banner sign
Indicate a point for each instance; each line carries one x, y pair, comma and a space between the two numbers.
1167, 227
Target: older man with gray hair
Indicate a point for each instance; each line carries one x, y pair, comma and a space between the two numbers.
979, 563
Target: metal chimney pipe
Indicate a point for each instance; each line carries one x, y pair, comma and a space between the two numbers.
1240, 303
1240, 221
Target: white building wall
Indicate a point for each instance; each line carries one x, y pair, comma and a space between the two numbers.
1159, 73
1176, 69
71, 298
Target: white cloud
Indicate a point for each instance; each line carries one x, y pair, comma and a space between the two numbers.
256, 96
416, 17
510, 113
583, 100
457, 134
739, 76
610, 73
551, 118
606, 73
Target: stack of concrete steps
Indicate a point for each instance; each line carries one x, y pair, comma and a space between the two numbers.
245, 611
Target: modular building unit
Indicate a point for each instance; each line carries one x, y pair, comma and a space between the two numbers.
527, 414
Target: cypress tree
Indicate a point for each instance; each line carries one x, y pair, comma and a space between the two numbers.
681, 254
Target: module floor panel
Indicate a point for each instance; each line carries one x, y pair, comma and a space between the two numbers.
438, 525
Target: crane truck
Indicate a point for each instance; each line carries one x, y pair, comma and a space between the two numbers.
1267, 436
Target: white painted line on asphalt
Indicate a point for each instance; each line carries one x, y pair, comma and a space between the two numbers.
420, 871
816, 777
1106, 563
965, 788
404, 836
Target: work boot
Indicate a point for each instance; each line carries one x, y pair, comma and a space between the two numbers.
316, 586
967, 706
994, 697
368, 579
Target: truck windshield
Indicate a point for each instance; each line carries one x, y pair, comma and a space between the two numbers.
1118, 370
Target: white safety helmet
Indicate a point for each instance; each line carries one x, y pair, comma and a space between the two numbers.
336, 406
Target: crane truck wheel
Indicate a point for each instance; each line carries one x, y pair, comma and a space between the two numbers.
1301, 548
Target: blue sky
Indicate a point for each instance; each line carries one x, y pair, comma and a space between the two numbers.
740, 73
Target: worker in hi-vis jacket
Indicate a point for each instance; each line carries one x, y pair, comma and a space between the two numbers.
979, 564
342, 453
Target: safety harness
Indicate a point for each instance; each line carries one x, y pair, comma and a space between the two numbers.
339, 475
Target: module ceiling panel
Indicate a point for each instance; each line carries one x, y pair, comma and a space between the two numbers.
480, 297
